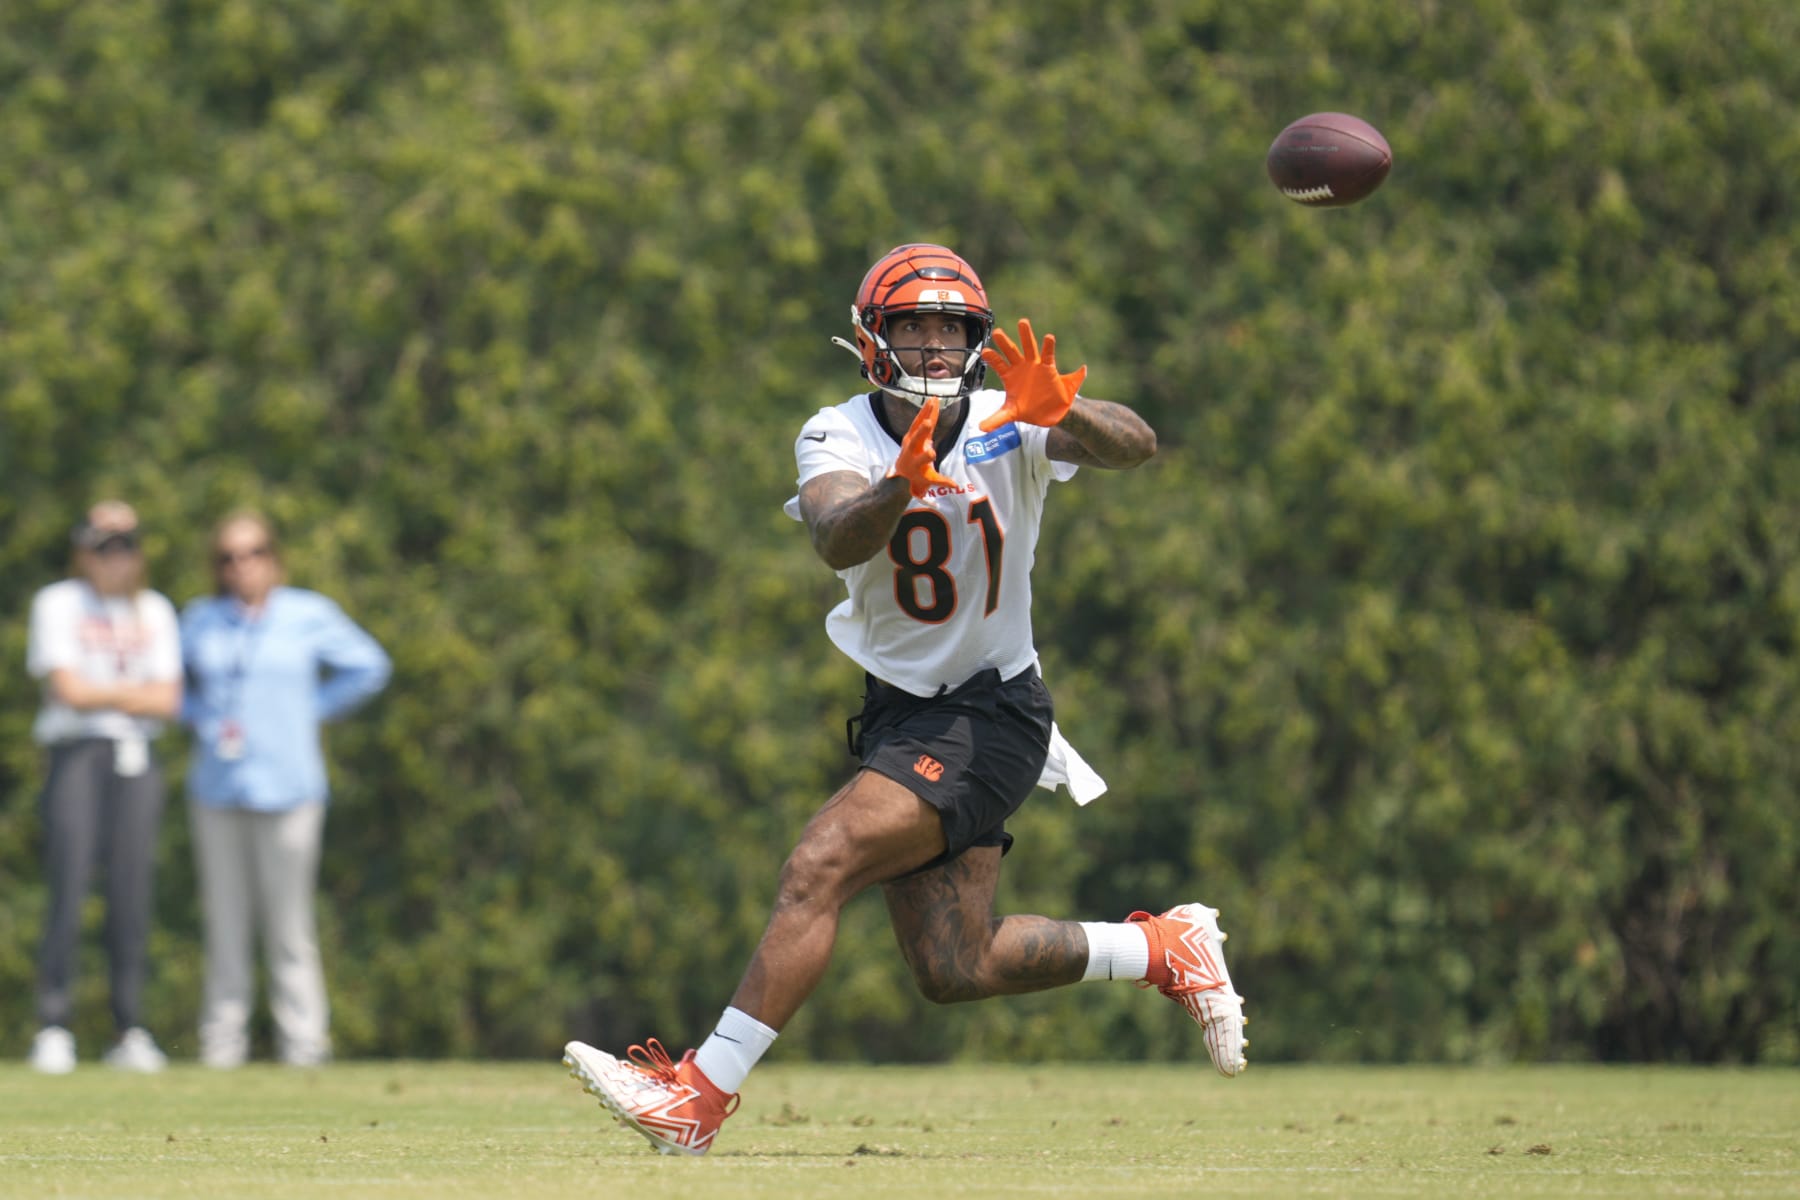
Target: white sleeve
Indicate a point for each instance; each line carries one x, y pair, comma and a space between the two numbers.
164, 631
53, 640
828, 442
1035, 440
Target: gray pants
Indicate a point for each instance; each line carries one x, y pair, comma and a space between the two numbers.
261, 868
91, 812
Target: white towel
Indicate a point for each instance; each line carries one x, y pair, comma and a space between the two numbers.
1064, 767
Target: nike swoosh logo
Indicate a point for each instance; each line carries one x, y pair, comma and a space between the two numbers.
815, 437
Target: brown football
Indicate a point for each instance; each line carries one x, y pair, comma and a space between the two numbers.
1329, 159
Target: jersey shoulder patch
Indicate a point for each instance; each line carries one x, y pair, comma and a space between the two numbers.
986, 447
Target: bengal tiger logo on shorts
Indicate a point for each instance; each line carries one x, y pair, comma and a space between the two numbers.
929, 767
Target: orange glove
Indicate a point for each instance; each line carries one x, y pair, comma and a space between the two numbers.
917, 462
1035, 393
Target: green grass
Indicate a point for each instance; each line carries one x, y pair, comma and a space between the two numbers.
519, 1130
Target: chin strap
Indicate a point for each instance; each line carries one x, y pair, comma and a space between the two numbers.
915, 399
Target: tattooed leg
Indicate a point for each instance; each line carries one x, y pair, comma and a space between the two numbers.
956, 947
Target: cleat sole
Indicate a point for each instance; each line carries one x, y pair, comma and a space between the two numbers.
592, 1088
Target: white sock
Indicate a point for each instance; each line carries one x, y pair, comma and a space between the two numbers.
1117, 951
734, 1047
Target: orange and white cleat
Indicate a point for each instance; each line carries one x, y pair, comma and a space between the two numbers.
670, 1103
1187, 964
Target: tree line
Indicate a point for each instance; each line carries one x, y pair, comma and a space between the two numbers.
1448, 646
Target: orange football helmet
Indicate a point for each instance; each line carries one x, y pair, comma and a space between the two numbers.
918, 277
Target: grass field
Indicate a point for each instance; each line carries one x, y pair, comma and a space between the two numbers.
525, 1130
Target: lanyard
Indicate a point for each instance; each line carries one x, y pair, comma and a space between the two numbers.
232, 686
124, 647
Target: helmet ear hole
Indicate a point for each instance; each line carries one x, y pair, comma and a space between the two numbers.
868, 348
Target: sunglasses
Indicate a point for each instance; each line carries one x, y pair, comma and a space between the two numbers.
229, 558
118, 543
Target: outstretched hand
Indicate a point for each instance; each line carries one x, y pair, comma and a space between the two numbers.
917, 462
1035, 393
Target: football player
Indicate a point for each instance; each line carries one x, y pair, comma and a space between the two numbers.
925, 494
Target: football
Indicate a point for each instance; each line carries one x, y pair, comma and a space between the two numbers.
1328, 160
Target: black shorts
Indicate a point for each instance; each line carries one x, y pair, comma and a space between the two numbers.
973, 753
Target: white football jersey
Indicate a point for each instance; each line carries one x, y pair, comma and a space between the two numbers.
951, 595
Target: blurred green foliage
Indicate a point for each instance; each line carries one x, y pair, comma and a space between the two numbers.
1449, 646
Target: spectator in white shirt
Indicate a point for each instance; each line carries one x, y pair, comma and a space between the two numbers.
108, 651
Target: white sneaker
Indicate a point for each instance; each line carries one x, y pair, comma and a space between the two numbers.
136, 1051
221, 1050
53, 1051
310, 1056
1187, 964
672, 1104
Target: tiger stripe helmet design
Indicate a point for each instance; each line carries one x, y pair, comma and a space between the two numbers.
918, 277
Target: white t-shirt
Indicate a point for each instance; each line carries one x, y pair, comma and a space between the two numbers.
105, 640
951, 596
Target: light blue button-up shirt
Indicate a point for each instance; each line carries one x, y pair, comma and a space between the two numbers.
277, 675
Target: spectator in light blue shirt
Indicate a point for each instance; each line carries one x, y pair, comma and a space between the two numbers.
266, 666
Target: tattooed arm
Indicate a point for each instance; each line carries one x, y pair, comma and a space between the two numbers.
1099, 433
851, 520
